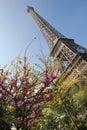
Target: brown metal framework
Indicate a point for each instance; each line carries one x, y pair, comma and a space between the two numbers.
73, 55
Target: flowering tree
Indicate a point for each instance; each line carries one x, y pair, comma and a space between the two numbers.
25, 92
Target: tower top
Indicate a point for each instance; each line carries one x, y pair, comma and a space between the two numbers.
29, 8
49, 32
53, 36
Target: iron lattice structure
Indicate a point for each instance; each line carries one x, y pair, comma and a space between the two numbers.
72, 56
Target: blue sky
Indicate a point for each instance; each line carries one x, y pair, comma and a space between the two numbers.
17, 28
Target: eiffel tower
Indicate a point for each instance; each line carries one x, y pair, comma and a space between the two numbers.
73, 57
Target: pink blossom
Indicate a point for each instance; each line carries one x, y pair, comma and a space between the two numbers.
33, 116
50, 77
50, 97
1, 80
56, 73
20, 103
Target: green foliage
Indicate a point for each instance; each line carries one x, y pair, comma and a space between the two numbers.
40, 100
25, 92
4, 122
